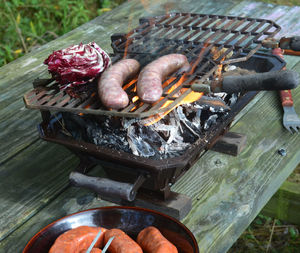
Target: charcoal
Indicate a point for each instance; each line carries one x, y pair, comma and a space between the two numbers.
139, 146
187, 126
74, 125
169, 137
233, 99
212, 120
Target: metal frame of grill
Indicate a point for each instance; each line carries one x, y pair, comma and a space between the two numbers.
196, 35
191, 34
159, 172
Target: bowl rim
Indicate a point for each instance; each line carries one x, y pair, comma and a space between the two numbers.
33, 239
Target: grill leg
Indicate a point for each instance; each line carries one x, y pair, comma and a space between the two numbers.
84, 165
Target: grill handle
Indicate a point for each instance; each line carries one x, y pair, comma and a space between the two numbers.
106, 187
280, 80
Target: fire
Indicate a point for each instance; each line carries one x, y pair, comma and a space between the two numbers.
189, 98
217, 53
126, 86
87, 106
199, 58
135, 98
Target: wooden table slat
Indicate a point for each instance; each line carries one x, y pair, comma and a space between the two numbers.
227, 192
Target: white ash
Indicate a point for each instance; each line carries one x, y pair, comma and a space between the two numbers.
212, 120
167, 138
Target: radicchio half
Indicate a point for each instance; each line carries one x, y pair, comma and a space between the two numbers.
77, 64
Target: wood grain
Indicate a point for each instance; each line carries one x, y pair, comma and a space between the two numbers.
30, 180
71, 200
227, 192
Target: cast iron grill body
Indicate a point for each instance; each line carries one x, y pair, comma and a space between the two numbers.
191, 34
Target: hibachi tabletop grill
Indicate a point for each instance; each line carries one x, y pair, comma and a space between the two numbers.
236, 41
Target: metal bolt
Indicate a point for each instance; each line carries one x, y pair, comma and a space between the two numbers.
218, 162
282, 152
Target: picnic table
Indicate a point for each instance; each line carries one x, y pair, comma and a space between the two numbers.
227, 192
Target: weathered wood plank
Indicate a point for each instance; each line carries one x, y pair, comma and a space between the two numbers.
14, 84
237, 187
72, 200
30, 180
229, 192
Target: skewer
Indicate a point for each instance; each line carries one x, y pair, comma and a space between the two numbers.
94, 241
107, 244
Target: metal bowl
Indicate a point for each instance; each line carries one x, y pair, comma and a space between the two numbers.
130, 219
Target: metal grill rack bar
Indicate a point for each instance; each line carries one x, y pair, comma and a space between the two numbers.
191, 34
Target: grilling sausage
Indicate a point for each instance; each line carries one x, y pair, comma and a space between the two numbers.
77, 239
110, 83
122, 243
149, 85
152, 241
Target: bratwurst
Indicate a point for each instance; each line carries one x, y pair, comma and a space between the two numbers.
110, 83
152, 241
77, 239
149, 85
122, 243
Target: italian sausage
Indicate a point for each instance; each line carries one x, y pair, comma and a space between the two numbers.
149, 85
122, 243
152, 241
77, 239
110, 83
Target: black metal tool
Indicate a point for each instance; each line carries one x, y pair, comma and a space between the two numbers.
281, 80
107, 187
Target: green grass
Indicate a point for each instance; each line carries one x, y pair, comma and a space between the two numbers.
268, 235
27, 24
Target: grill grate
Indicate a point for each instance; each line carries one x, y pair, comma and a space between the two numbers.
191, 34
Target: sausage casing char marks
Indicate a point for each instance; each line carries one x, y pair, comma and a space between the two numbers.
77, 240
122, 243
152, 241
110, 83
149, 85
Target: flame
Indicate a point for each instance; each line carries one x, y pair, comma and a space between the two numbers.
199, 58
89, 105
135, 98
190, 98
216, 53
126, 86
218, 72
